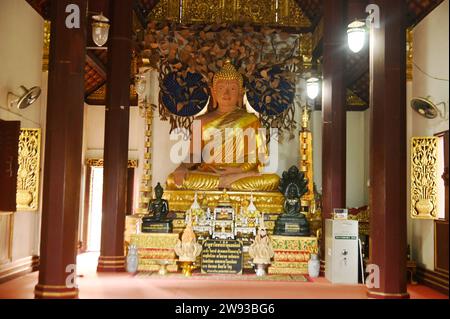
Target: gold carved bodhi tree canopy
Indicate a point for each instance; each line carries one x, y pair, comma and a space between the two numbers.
189, 43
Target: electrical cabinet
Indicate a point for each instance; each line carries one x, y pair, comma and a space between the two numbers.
341, 251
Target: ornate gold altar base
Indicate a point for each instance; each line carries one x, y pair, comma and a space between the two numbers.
292, 254
154, 250
269, 203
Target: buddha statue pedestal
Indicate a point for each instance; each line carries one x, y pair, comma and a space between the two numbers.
149, 225
155, 249
271, 203
292, 254
291, 226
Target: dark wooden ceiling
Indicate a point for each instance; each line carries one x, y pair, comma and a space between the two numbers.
357, 64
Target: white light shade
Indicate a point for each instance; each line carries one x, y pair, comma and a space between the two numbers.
356, 36
312, 88
100, 30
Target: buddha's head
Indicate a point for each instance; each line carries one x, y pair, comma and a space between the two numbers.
159, 191
228, 88
292, 192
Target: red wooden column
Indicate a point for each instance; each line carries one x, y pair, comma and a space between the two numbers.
116, 137
334, 108
388, 149
64, 131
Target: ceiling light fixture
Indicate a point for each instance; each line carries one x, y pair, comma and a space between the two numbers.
312, 87
100, 29
356, 34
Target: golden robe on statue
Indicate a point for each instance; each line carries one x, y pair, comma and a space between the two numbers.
231, 143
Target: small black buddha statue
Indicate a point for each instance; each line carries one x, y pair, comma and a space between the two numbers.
292, 222
159, 207
291, 204
156, 221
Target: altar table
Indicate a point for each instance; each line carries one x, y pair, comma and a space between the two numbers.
154, 250
292, 254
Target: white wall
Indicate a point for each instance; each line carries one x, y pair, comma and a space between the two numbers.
94, 134
316, 129
21, 38
356, 190
357, 167
94, 129
431, 54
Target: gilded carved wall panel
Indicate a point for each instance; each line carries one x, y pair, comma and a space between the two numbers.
211, 10
290, 15
424, 177
261, 12
256, 11
29, 167
166, 10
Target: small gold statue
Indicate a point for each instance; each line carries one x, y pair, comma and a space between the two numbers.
261, 249
187, 248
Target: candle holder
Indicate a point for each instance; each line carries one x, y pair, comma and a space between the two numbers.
187, 267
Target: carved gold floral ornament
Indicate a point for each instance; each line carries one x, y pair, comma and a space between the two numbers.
424, 177
28, 172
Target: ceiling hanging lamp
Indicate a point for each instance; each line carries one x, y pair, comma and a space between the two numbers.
100, 29
356, 35
312, 87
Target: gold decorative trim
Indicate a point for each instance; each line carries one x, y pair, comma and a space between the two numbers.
181, 200
424, 199
46, 50
306, 51
99, 162
385, 294
99, 95
44, 294
409, 54
51, 287
259, 12
306, 161
353, 100
29, 170
146, 179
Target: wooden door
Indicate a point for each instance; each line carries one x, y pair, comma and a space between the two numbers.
441, 226
9, 153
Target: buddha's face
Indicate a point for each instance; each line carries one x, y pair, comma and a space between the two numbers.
228, 94
292, 193
159, 193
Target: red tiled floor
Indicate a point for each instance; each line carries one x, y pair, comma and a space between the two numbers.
117, 286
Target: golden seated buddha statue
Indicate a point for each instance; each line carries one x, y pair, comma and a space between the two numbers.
222, 130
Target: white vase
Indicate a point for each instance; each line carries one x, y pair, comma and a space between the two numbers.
314, 266
132, 260
260, 269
